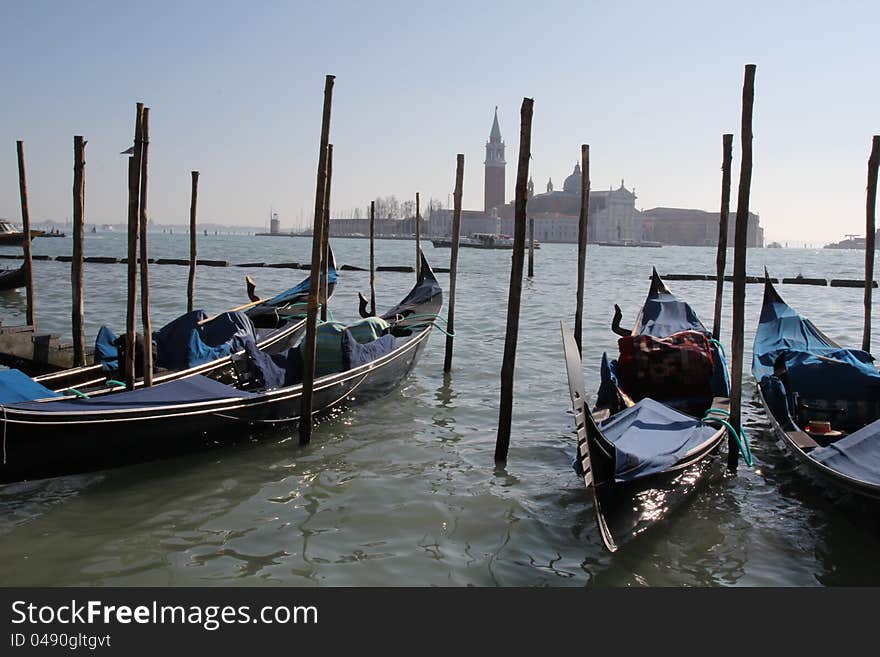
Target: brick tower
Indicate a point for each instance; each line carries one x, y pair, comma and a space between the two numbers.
493, 189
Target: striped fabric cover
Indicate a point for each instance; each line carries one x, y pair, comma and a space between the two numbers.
675, 367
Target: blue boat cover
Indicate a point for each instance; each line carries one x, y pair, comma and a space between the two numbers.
16, 386
276, 370
816, 367
663, 314
106, 351
298, 290
182, 391
355, 354
650, 437
856, 455
182, 343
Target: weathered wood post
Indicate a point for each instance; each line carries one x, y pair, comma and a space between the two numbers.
870, 228
723, 215
453, 262
145, 271
583, 225
306, 404
191, 285
505, 414
76, 265
373, 258
134, 170
418, 237
531, 247
30, 318
739, 264
325, 238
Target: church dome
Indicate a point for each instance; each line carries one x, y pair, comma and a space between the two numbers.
572, 184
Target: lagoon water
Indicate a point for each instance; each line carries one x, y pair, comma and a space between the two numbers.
404, 491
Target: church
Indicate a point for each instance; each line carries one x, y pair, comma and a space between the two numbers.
613, 214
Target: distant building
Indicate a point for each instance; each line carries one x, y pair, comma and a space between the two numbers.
613, 214
687, 227
275, 224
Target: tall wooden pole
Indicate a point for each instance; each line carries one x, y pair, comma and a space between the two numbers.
531, 247
505, 415
76, 265
583, 225
134, 170
723, 215
145, 272
191, 285
739, 264
453, 261
418, 237
26, 228
373, 258
870, 214
306, 405
325, 240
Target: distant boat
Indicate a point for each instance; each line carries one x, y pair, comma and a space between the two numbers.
851, 242
774, 245
53, 233
651, 245
480, 241
11, 236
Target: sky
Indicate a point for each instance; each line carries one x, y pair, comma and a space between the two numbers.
235, 91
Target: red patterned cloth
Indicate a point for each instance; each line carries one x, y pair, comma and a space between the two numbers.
675, 367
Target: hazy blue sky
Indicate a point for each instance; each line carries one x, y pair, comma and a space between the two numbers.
235, 91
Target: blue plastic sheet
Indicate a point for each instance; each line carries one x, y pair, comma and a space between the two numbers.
649, 438
16, 386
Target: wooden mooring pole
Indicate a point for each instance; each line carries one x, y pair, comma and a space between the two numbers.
144, 265
306, 404
325, 237
373, 258
30, 318
531, 247
505, 413
723, 215
453, 261
134, 170
76, 264
193, 201
739, 264
418, 237
583, 226
870, 228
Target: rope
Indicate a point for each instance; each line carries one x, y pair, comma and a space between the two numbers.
114, 382
720, 347
740, 436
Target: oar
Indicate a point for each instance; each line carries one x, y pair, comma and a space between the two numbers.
252, 295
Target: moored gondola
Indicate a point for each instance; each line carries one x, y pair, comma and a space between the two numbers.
354, 364
823, 400
12, 279
659, 418
197, 344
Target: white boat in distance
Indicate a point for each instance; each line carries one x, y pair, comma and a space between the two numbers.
480, 241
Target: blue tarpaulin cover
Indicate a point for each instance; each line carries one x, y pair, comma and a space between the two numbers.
182, 391
663, 314
355, 354
16, 386
856, 455
650, 437
106, 351
299, 290
182, 343
816, 367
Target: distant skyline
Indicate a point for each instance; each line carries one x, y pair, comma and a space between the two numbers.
235, 92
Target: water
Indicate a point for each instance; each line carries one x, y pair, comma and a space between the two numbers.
404, 491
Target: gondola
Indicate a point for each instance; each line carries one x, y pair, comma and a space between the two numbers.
12, 279
823, 400
274, 323
659, 417
42, 438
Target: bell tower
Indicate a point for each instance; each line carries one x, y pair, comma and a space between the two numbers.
495, 164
